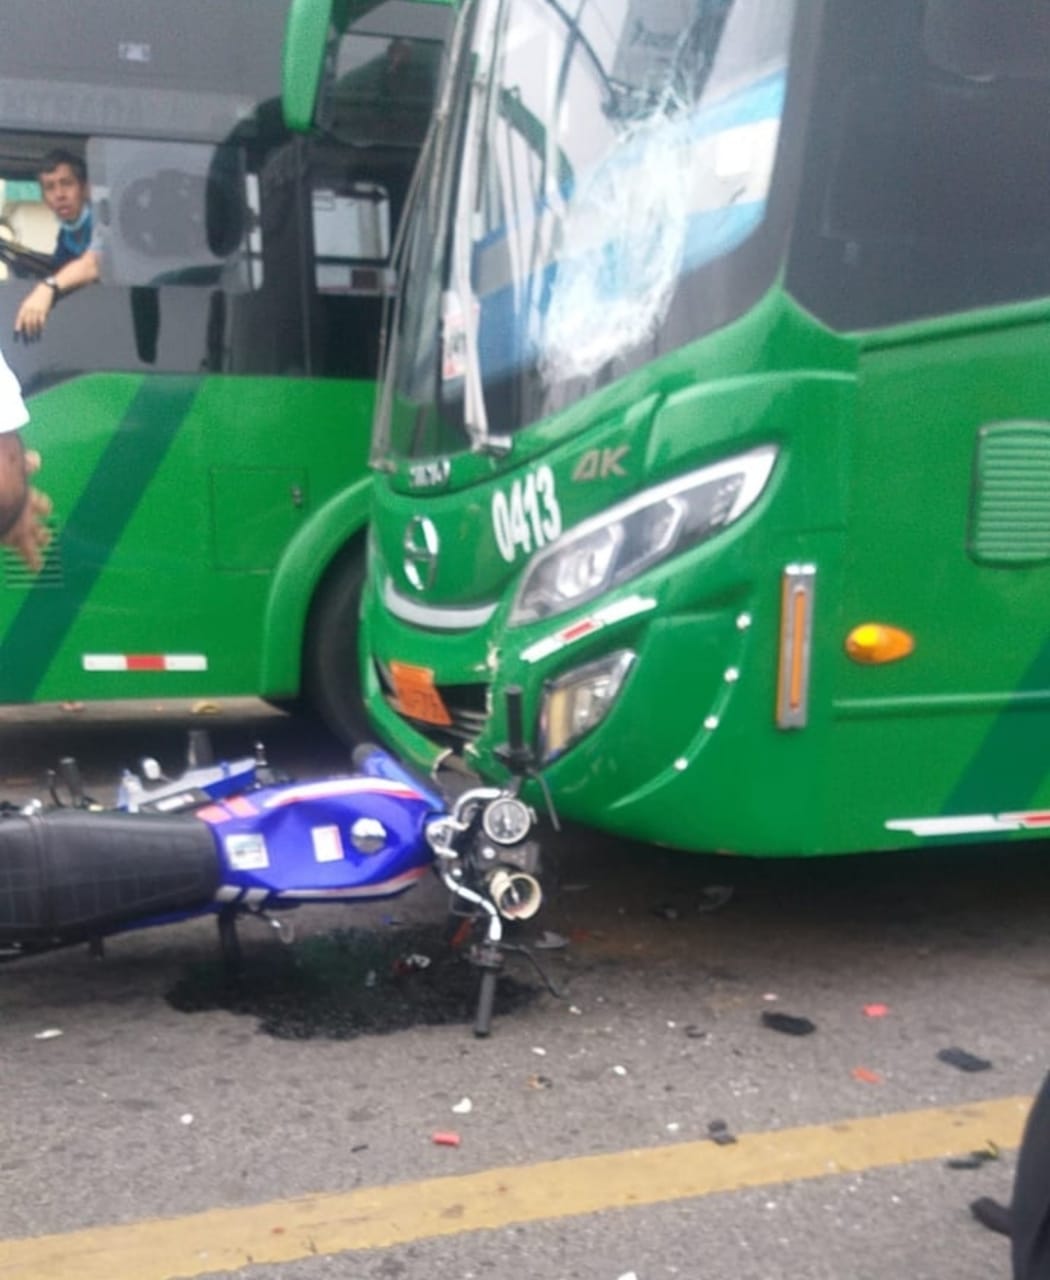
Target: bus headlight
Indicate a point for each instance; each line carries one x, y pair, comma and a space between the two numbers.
578, 701
627, 539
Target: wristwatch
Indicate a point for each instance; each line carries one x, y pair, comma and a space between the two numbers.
54, 286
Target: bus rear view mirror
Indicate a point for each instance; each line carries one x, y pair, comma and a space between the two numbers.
225, 211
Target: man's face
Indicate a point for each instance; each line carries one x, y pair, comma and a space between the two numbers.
63, 192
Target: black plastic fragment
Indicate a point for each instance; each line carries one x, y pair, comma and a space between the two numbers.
718, 1132
964, 1061
975, 1160
787, 1023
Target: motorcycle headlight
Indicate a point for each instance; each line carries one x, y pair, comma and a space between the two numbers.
627, 539
506, 820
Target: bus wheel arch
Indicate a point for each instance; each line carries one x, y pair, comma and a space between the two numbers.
331, 679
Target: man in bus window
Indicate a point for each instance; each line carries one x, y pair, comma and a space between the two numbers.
76, 260
23, 509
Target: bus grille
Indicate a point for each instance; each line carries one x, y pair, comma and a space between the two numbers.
467, 704
1010, 516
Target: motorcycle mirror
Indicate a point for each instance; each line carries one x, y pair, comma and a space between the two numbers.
150, 769
199, 749
69, 772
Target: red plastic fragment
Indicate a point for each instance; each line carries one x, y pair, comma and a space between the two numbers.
462, 935
445, 1138
865, 1076
876, 1010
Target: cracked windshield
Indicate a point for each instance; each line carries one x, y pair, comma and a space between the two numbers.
618, 149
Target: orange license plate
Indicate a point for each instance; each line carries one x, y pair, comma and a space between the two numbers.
417, 696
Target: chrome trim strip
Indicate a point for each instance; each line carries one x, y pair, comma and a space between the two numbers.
798, 586
618, 611
428, 616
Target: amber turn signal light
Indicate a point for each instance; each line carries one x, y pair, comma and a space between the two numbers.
874, 642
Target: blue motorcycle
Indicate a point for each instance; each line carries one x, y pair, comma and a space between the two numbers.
234, 839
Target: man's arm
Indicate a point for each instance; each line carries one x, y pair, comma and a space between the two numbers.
36, 306
23, 509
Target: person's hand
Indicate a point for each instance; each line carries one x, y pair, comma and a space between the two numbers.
34, 311
29, 535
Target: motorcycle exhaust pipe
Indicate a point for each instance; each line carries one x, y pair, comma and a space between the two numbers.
516, 894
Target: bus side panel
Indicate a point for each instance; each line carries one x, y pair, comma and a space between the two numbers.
171, 529
291, 589
959, 728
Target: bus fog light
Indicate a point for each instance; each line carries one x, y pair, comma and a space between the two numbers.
578, 701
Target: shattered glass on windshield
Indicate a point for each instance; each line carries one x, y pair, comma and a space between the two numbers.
603, 154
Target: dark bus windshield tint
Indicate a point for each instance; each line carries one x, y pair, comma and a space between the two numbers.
926, 187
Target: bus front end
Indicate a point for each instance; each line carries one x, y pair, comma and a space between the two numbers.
583, 446
717, 416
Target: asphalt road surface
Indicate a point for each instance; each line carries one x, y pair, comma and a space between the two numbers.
158, 1125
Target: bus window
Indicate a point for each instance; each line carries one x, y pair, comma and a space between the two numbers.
351, 238
981, 41
126, 67
202, 256
383, 89
925, 190
173, 213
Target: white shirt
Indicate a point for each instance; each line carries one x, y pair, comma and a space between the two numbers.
13, 411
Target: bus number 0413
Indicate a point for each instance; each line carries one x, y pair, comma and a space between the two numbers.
529, 518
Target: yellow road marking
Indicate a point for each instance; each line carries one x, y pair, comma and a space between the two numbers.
376, 1218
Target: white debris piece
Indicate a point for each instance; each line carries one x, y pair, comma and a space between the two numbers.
464, 1107
550, 941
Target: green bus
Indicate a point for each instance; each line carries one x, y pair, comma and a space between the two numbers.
716, 416
204, 411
